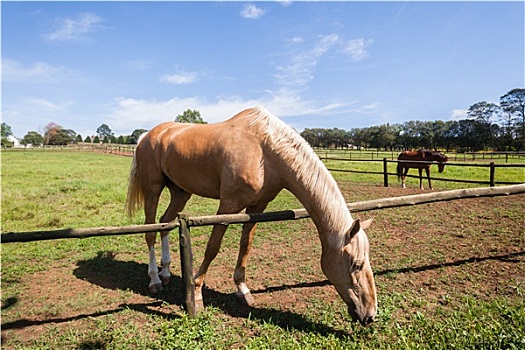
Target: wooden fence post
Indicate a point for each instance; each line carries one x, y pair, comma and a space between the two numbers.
186, 261
385, 173
492, 171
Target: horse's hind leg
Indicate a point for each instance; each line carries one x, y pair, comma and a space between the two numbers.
420, 170
151, 200
243, 294
179, 198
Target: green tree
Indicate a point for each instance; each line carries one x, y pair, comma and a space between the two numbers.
88, 139
96, 139
6, 132
190, 116
513, 107
79, 138
56, 135
134, 137
104, 131
32, 138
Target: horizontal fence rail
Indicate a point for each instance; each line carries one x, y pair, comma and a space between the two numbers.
295, 214
491, 166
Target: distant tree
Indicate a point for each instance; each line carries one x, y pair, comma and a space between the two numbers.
105, 139
32, 138
6, 130
56, 135
513, 107
88, 140
104, 131
79, 138
134, 137
482, 113
190, 116
121, 140
96, 139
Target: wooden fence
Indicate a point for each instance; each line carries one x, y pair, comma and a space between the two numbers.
491, 166
184, 222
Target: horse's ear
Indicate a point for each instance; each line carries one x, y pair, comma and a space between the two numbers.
356, 226
366, 224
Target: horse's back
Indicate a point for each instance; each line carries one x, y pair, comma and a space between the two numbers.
209, 160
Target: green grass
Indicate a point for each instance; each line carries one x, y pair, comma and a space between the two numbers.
73, 189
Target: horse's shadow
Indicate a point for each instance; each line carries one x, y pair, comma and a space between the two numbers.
107, 272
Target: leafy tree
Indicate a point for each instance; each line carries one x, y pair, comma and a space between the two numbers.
190, 116
32, 138
134, 137
56, 135
121, 140
79, 138
513, 107
6, 130
88, 139
104, 131
96, 139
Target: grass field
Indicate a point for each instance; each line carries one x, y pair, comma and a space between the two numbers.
449, 275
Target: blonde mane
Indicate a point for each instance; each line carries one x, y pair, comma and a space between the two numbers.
309, 169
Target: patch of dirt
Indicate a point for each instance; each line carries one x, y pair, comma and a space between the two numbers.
439, 252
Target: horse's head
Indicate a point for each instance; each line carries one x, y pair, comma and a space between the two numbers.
442, 159
350, 272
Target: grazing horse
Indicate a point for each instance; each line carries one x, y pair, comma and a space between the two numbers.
419, 156
245, 162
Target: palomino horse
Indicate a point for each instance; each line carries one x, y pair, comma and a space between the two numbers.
419, 156
245, 162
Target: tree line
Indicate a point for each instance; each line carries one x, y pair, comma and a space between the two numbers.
488, 126
55, 134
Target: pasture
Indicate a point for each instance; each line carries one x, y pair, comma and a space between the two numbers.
449, 275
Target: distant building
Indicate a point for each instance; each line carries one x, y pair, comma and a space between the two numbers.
14, 140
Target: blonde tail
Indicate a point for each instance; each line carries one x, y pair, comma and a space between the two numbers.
135, 195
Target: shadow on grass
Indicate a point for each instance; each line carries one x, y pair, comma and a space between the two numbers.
105, 271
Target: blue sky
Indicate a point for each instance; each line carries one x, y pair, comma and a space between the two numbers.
350, 64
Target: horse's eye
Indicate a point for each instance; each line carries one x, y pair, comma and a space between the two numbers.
358, 265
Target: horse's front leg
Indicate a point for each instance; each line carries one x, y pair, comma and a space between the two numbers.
404, 177
420, 170
427, 170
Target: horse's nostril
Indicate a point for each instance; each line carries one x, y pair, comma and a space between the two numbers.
369, 320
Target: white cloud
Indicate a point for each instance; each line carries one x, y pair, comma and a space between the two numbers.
285, 3
148, 113
357, 48
251, 11
299, 70
458, 114
181, 77
75, 29
52, 106
13, 71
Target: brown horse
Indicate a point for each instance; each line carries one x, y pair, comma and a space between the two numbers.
245, 162
419, 159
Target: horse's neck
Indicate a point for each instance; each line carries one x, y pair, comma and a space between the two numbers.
316, 189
